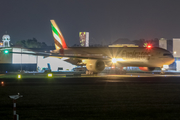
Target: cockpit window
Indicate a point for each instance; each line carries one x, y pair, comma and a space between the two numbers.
168, 55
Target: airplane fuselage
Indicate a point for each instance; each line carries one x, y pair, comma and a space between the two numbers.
127, 56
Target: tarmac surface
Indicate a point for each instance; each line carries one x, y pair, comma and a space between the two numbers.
94, 79
136, 96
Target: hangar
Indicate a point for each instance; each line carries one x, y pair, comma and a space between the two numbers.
12, 62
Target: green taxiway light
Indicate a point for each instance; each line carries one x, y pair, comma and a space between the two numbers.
6, 51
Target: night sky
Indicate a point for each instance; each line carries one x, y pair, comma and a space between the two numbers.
105, 20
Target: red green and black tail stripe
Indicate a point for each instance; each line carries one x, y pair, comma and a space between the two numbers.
58, 37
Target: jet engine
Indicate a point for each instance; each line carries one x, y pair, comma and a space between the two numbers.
147, 69
95, 65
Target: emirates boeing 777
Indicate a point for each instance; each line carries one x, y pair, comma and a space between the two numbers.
97, 58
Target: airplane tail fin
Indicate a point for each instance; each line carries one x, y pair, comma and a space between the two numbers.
59, 40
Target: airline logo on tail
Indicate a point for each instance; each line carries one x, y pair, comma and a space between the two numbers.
58, 37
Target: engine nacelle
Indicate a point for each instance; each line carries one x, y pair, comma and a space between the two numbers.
95, 65
147, 69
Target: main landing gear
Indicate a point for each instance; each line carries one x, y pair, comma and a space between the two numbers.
162, 71
90, 72
120, 71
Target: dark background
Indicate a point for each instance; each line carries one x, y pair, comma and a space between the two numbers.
106, 20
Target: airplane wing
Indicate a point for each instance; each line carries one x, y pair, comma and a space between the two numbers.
64, 55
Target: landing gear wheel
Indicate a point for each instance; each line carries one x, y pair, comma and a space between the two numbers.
89, 72
162, 73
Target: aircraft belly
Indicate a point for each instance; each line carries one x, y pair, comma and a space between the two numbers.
133, 63
140, 63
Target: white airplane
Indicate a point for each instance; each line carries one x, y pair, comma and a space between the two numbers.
97, 58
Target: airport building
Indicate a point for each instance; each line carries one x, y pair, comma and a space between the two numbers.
14, 62
173, 47
176, 52
11, 59
84, 39
123, 42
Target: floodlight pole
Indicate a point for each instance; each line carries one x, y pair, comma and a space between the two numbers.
15, 97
